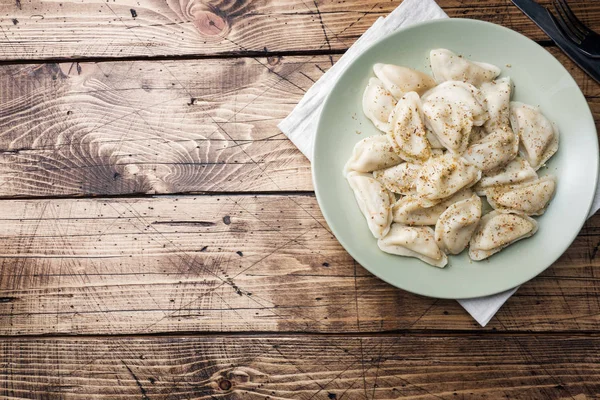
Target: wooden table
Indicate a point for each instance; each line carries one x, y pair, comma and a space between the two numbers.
160, 238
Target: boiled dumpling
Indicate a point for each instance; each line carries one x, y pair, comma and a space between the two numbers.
456, 225
529, 198
372, 153
448, 66
434, 142
516, 171
400, 80
412, 241
443, 176
408, 210
407, 132
498, 230
468, 96
378, 103
494, 150
450, 122
451, 111
538, 136
497, 94
400, 178
374, 201
477, 134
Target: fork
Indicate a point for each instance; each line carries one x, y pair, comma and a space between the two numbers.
588, 41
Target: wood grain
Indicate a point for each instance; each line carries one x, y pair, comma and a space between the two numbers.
243, 264
152, 127
405, 366
161, 126
235, 264
39, 29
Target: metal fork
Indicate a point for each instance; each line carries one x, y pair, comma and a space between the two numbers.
588, 41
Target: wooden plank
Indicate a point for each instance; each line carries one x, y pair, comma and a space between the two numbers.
333, 367
235, 264
160, 126
39, 29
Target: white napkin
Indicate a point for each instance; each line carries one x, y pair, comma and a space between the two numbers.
301, 125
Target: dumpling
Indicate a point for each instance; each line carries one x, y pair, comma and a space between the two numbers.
455, 92
400, 178
529, 198
516, 171
372, 153
374, 201
538, 136
400, 80
494, 150
448, 66
418, 242
408, 210
456, 225
477, 134
497, 95
451, 111
407, 132
450, 122
434, 142
498, 230
443, 176
378, 103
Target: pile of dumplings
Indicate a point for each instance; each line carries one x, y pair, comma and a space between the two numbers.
446, 141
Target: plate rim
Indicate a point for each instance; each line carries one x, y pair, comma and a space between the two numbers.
320, 124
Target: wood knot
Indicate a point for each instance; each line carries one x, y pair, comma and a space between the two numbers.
274, 61
237, 377
225, 385
150, 179
210, 23
246, 375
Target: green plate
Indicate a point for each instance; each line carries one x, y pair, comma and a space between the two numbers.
539, 80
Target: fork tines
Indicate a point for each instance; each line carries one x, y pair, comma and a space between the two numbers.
569, 22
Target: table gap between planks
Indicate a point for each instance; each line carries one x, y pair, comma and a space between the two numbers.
159, 236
